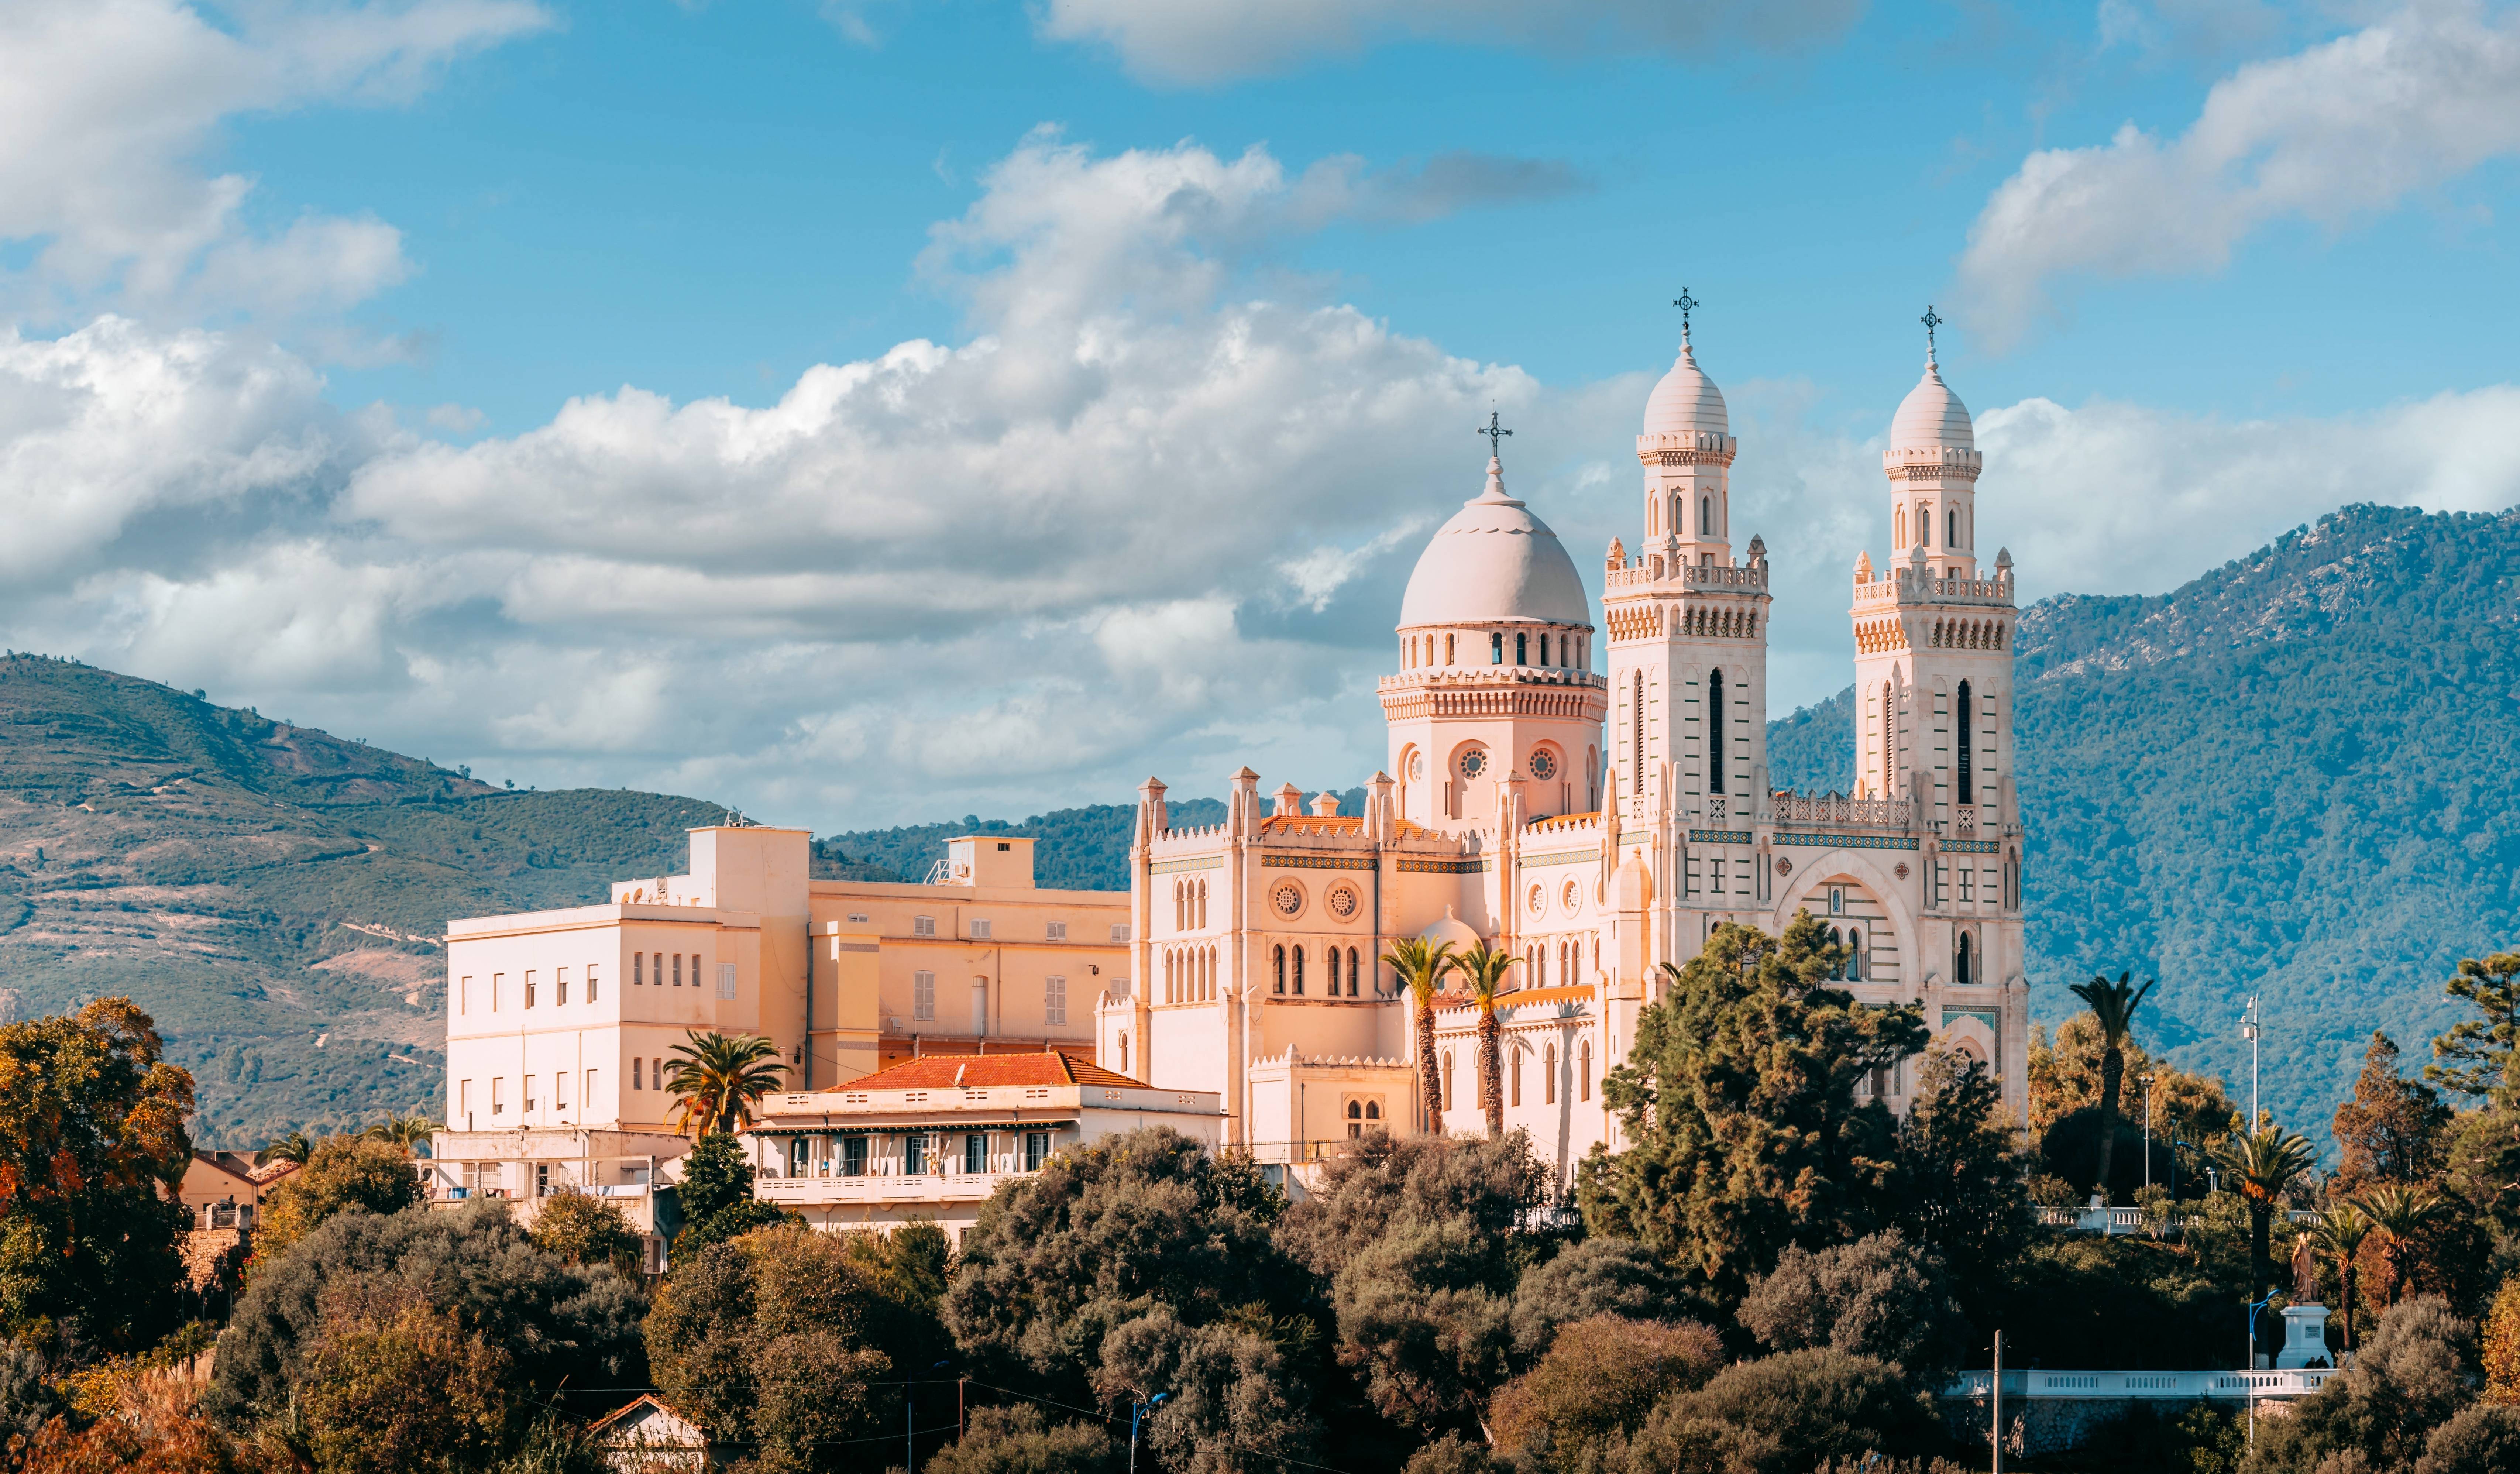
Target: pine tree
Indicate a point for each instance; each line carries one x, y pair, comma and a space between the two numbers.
1738, 1102
2481, 1052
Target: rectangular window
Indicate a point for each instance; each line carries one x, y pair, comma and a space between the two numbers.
853, 1157
498, 981
724, 978
1120, 932
529, 990
638, 1074
922, 994
1058, 931
560, 1091
656, 1079
529, 1095
464, 1098
678, 969
914, 1155
1036, 1149
975, 1153
560, 986
1053, 1002
980, 931
587, 1100
590, 982
858, 918
637, 969
923, 926
498, 1094
464, 997
1968, 883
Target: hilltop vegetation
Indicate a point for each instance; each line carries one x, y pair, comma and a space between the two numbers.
2290, 777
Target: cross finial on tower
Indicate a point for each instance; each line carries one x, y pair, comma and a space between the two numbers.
1686, 304
1494, 433
1931, 322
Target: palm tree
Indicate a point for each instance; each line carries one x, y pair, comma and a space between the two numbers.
293, 1148
410, 1132
1483, 969
1422, 967
719, 1076
2397, 1213
2114, 1005
2342, 1230
2260, 1166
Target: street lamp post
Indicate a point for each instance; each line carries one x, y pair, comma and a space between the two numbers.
2146, 1081
1136, 1413
2249, 1031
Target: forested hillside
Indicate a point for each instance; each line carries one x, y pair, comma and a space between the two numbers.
2292, 776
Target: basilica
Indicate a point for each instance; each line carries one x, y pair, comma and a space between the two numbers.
1598, 825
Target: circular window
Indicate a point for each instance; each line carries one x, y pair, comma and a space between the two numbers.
1572, 897
1544, 763
1342, 902
1474, 762
1288, 899
1416, 766
1539, 899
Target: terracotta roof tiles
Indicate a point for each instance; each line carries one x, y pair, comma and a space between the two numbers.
985, 1071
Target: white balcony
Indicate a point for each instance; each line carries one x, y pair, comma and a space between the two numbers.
889, 1188
2182, 1386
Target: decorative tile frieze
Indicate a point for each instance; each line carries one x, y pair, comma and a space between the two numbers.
1288, 859
1444, 867
1973, 846
1175, 866
1719, 837
1851, 841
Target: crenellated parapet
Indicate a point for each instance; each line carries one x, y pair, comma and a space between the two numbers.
1701, 448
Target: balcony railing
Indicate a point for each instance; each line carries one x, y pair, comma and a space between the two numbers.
1836, 808
911, 1187
2182, 1386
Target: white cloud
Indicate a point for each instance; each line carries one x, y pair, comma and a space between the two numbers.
114, 103
2335, 133
1224, 40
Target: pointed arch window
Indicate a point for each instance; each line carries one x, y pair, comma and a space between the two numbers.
1522, 649
1925, 525
1636, 737
1837, 974
1299, 972
1963, 741
1960, 960
1277, 969
1548, 1075
1351, 972
1715, 728
1855, 953
1705, 517
1584, 1070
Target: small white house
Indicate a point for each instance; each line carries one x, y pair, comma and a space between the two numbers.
931, 1138
646, 1436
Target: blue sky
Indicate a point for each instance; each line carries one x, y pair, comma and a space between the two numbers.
874, 413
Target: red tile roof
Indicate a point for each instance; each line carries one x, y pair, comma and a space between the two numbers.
983, 1071
1313, 824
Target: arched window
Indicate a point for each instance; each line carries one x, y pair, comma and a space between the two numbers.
1965, 741
1124, 1053
1513, 1088
1584, 1070
1374, 1110
1835, 939
1960, 962
1705, 517
1299, 972
1522, 649
1952, 527
1715, 732
1854, 954
1636, 737
1925, 525
1495, 646
1543, 649
1330, 966
1448, 1080
1448, 650
1277, 969
1181, 914
1889, 744
1351, 971
1548, 1075
1355, 1120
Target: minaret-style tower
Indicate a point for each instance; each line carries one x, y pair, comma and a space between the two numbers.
1494, 692
1688, 665
1934, 719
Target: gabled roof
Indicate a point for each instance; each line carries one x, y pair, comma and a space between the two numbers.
983, 1071
629, 1411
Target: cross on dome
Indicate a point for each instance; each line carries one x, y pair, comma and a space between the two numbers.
1931, 322
1496, 435
1686, 304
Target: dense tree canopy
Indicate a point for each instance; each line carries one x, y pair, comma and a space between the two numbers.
342, 1173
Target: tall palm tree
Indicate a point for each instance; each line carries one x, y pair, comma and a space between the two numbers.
1483, 969
719, 1077
2114, 1005
293, 1148
2341, 1230
2260, 1166
1422, 967
2397, 1213
410, 1132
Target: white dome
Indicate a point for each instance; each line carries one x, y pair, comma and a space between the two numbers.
1493, 560
1931, 416
1685, 402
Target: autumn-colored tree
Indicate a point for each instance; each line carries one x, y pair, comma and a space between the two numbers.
2399, 1216
1483, 969
1738, 1104
2500, 1346
1421, 965
2476, 1056
342, 1172
2113, 1006
720, 1077
387, 1392
2395, 1130
583, 1228
92, 1147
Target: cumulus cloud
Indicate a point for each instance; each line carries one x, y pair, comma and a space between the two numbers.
2332, 134
115, 102
1225, 40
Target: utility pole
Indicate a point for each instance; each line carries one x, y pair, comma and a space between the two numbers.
1998, 1430
2249, 1032
2146, 1081
1136, 1413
